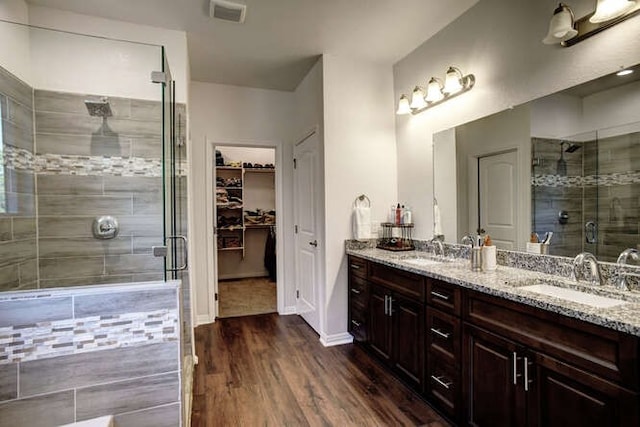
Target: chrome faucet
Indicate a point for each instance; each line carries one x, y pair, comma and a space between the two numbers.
578, 263
621, 282
437, 246
467, 240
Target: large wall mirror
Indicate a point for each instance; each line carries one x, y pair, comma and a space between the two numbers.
567, 164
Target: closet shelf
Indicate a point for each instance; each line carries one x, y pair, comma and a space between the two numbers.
225, 206
229, 188
229, 168
260, 170
231, 249
258, 226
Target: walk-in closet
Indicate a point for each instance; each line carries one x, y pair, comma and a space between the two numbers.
245, 230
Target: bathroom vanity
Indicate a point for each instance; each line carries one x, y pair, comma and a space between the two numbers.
488, 349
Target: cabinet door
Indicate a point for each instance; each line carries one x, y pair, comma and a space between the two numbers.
492, 387
379, 324
565, 396
408, 338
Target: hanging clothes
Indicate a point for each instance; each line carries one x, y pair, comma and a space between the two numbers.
270, 253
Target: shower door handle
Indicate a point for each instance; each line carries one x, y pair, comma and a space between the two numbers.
184, 247
591, 232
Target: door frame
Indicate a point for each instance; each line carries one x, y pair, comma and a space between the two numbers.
212, 255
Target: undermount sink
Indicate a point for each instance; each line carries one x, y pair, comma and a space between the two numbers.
423, 262
574, 296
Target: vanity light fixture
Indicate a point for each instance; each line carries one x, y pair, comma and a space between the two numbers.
566, 31
403, 106
434, 90
455, 84
561, 25
606, 10
417, 98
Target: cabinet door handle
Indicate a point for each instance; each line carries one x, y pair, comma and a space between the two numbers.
515, 368
526, 374
446, 385
440, 333
356, 324
390, 306
386, 305
355, 266
439, 295
355, 291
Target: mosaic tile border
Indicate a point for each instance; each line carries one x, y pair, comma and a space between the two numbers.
61, 164
44, 340
606, 180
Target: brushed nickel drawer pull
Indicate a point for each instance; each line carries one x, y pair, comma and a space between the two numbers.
439, 295
446, 385
355, 291
515, 368
355, 266
356, 324
440, 333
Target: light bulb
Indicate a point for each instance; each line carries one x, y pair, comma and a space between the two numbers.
417, 98
403, 106
607, 10
434, 91
453, 81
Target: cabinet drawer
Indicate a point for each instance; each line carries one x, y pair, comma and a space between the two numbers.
443, 336
607, 353
358, 325
443, 386
358, 267
444, 296
358, 291
404, 282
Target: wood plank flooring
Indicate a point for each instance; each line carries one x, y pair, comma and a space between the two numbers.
271, 370
244, 297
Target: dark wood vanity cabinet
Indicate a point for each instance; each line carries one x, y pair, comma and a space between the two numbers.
524, 366
397, 333
443, 347
483, 360
358, 300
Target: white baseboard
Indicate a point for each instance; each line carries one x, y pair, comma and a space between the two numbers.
202, 319
249, 275
288, 311
337, 339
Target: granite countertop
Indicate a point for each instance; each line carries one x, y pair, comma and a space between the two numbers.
507, 282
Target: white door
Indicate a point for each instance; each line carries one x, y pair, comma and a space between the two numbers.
498, 198
306, 177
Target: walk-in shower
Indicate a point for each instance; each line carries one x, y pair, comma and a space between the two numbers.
88, 144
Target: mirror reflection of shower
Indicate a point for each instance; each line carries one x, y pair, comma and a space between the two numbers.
104, 141
561, 166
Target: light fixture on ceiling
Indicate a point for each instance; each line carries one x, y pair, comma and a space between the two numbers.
606, 10
561, 25
455, 84
567, 31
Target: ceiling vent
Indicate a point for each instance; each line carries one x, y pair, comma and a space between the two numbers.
227, 11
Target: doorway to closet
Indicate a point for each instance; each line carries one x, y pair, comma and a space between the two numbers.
245, 233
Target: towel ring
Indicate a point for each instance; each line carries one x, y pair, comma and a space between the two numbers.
362, 198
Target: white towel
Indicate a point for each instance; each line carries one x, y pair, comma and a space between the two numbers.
361, 222
437, 222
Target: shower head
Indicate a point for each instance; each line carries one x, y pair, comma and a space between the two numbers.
99, 108
572, 147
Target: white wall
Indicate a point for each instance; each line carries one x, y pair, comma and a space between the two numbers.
133, 63
500, 42
359, 158
14, 48
242, 116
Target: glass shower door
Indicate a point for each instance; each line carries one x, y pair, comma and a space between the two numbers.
174, 184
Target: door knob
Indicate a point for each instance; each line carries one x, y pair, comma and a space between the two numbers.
314, 243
